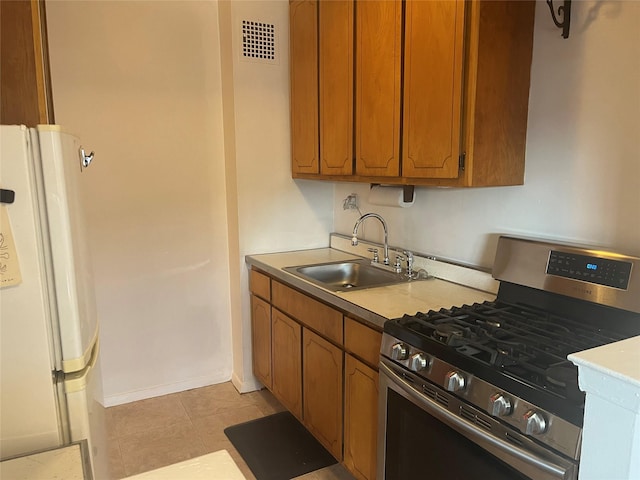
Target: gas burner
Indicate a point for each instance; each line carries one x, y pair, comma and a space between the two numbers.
449, 334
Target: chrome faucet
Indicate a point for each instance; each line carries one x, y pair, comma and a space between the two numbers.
354, 238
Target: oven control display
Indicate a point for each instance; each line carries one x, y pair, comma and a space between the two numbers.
603, 271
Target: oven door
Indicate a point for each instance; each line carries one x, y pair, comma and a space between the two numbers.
419, 435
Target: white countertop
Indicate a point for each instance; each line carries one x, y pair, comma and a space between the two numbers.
612, 372
213, 466
620, 360
64, 463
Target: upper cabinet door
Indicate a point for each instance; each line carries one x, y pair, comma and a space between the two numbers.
303, 17
498, 74
378, 85
336, 86
434, 40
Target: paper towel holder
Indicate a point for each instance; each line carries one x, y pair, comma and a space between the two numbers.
407, 191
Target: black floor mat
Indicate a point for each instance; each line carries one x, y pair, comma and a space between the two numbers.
278, 447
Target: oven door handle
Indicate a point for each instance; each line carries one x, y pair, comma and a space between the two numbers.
525, 461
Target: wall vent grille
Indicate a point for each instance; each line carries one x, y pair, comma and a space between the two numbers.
259, 42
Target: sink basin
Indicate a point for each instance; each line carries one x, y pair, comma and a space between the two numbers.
346, 275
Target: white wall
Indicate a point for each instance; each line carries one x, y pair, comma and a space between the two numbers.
275, 213
193, 150
582, 179
140, 83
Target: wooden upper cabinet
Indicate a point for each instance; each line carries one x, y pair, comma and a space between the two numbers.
378, 74
336, 86
437, 94
434, 41
24, 64
303, 46
500, 39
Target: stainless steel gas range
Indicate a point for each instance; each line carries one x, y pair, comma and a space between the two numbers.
485, 390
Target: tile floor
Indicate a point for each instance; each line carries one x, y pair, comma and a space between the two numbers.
160, 431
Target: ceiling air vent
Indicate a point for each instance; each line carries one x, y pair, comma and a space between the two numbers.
259, 42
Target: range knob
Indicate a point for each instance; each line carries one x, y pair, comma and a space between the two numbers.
399, 351
454, 381
534, 423
418, 362
499, 405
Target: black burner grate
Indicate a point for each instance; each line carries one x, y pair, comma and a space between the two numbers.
528, 344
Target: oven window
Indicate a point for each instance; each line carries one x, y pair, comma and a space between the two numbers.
420, 446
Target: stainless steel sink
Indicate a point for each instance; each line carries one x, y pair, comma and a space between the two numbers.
346, 275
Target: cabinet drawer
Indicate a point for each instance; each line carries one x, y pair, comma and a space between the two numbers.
260, 284
362, 341
316, 315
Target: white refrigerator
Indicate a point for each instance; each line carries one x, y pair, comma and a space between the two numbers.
50, 380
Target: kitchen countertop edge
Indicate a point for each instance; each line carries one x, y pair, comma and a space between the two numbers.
273, 264
320, 293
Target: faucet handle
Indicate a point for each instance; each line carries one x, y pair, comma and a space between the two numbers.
409, 260
398, 264
376, 257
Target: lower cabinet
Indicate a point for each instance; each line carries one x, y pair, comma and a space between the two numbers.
261, 339
286, 357
322, 390
360, 418
318, 364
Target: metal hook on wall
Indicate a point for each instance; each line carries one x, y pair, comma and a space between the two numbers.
565, 11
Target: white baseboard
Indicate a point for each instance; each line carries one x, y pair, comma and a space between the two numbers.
249, 385
159, 390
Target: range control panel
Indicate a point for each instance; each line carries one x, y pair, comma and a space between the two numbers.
601, 271
587, 273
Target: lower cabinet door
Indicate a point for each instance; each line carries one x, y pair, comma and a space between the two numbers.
261, 340
360, 418
322, 387
286, 374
